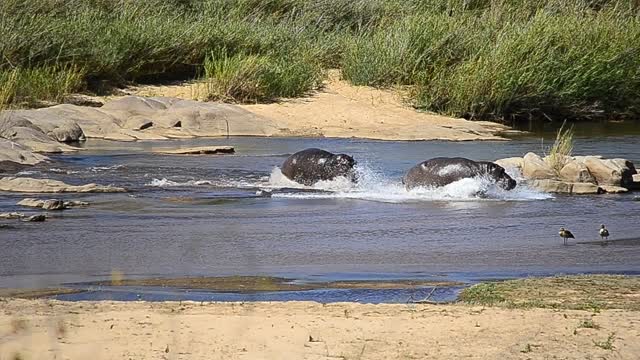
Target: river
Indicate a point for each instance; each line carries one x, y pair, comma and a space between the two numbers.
201, 216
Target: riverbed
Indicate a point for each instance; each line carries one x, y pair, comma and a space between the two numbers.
208, 216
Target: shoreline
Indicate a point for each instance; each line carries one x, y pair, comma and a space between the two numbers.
297, 330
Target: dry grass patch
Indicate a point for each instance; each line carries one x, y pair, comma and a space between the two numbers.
584, 292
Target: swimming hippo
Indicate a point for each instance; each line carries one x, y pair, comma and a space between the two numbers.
312, 165
443, 171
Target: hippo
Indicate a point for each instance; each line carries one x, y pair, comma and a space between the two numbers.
312, 165
443, 171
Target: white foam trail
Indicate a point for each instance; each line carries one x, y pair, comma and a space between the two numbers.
164, 182
372, 185
376, 187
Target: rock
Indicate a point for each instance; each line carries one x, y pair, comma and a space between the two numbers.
617, 172
535, 168
52, 204
75, 203
576, 172
11, 215
511, 163
200, 150
66, 132
611, 189
36, 218
12, 152
30, 185
561, 187
33, 133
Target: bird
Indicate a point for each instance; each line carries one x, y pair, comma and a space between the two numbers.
604, 233
565, 234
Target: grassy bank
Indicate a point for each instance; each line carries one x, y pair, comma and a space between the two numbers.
479, 59
587, 292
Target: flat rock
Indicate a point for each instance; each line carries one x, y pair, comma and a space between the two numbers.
12, 215
30, 185
202, 150
13, 152
611, 189
51, 204
562, 187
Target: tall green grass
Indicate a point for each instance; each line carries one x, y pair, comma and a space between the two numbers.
481, 59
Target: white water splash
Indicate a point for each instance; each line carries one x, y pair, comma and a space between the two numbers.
376, 187
372, 185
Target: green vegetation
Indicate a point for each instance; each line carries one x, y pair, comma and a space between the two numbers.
584, 292
588, 324
481, 59
562, 149
606, 344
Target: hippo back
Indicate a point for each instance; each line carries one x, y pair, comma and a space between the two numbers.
312, 165
443, 171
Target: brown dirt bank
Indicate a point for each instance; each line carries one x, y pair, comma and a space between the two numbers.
39, 329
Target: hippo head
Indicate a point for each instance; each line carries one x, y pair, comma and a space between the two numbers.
343, 165
501, 177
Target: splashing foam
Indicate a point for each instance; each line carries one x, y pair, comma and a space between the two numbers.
375, 186
372, 185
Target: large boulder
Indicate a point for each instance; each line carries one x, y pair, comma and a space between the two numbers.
576, 172
511, 163
616, 172
534, 167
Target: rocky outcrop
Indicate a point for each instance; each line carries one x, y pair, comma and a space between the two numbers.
51, 204
130, 118
616, 172
580, 174
30, 185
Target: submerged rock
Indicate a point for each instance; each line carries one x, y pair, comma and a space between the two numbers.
201, 150
51, 204
30, 185
12, 215
36, 218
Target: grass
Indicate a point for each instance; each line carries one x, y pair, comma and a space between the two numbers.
561, 149
585, 292
588, 324
606, 344
481, 59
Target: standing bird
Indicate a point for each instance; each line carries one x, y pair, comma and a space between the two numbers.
565, 234
604, 233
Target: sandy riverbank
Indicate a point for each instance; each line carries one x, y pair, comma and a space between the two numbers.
343, 110
42, 329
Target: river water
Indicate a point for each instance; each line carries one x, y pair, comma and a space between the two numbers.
201, 215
